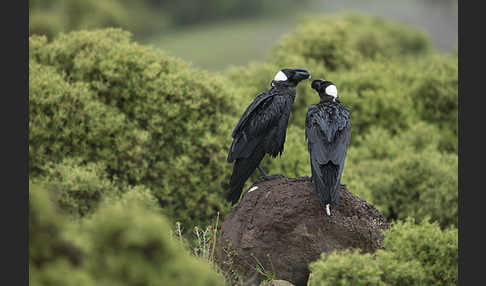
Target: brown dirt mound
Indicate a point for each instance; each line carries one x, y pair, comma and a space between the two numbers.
282, 226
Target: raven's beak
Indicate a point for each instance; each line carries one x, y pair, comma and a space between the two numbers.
302, 74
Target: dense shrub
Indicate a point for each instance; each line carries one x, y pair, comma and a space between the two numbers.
124, 243
414, 255
76, 187
132, 246
434, 91
151, 119
345, 40
51, 253
353, 268
65, 119
404, 175
435, 249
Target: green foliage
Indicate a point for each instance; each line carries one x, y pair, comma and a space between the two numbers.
51, 253
151, 119
78, 188
130, 245
65, 119
434, 91
350, 267
435, 249
405, 175
420, 254
123, 243
345, 40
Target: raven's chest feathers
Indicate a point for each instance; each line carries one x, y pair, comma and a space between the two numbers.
330, 118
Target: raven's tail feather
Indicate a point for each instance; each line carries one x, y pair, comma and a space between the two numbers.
242, 170
326, 184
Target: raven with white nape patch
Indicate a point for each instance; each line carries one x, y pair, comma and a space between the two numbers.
262, 128
328, 132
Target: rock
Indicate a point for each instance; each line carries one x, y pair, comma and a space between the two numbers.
282, 226
278, 283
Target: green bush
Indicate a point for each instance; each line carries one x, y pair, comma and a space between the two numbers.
151, 119
435, 249
418, 185
78, 188
66, 119
51, 253
353, 268
404, 175
132, 246
345, 40
434, 91
420, 254
123, 243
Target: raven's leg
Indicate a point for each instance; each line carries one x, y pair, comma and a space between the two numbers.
263, 172
266, 177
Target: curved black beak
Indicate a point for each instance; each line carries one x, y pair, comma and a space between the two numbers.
302, 74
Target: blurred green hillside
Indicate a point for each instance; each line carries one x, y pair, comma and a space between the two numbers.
216, 34
125, 140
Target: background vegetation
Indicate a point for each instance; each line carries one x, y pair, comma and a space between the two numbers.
127, 142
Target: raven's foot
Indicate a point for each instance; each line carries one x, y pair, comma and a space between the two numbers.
268, 178
343, 186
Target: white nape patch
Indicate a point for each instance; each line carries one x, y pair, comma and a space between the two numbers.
332, 91
328, 211
252, 189
280, 76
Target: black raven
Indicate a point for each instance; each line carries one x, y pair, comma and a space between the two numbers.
328, 131
262, 128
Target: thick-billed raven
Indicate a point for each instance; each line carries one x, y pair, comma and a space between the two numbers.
328, 131
262, 128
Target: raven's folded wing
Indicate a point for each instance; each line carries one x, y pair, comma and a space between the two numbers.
263, 114
262, 97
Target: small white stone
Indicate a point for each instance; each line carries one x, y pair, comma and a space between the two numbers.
253, 188
328, 211
280, 76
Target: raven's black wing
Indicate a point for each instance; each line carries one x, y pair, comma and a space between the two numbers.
262, 114
328, 132
256, 102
